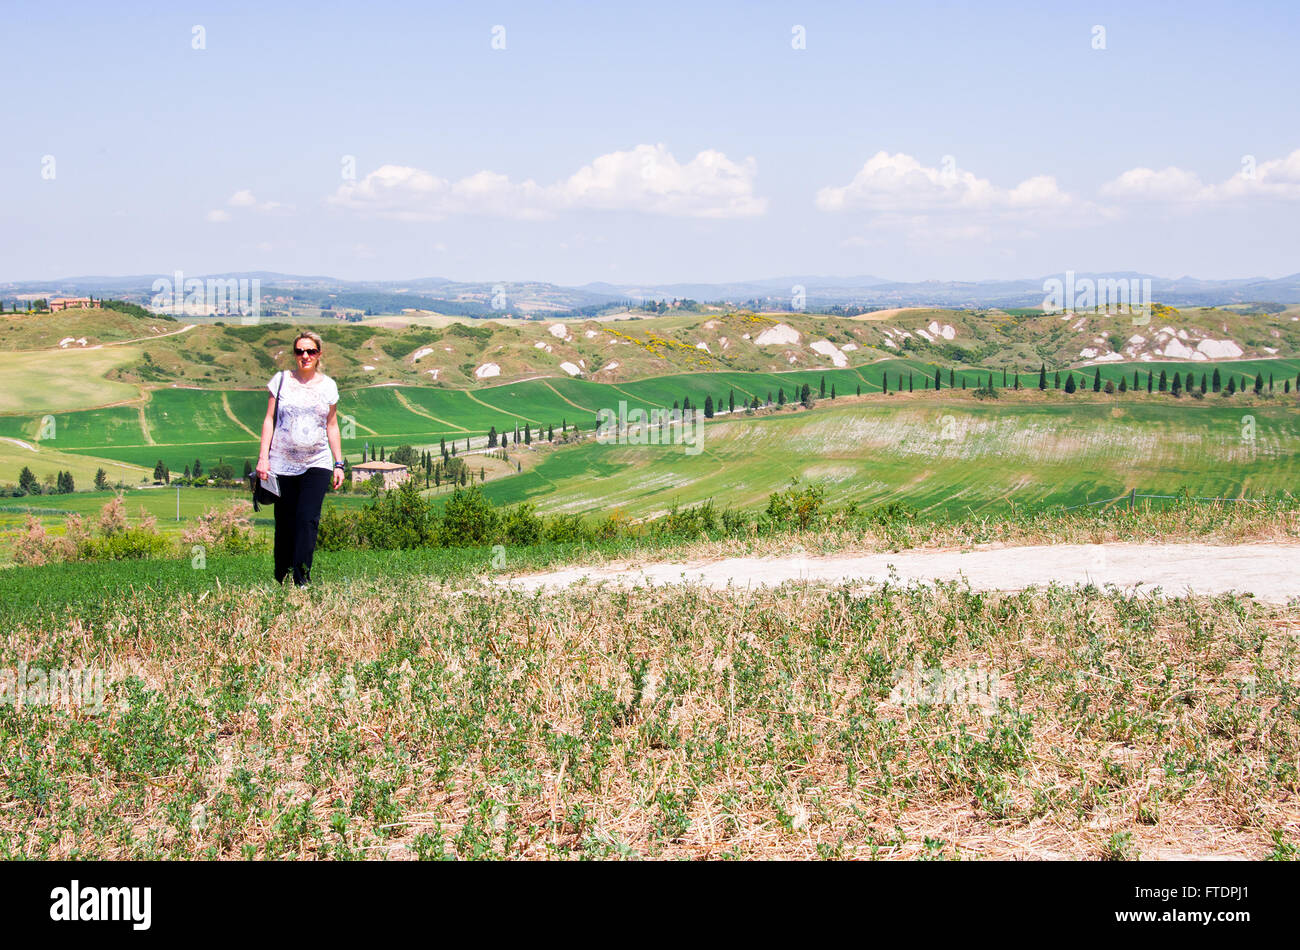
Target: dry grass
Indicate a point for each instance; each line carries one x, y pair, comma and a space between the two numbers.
398, 718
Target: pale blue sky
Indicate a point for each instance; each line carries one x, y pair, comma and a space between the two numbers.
229, 157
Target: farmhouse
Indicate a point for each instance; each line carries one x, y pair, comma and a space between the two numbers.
392, 473
69, 303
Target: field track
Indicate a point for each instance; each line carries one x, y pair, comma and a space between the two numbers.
1266, 571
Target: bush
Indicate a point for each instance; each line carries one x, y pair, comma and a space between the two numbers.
566, 529
687, 522
223, 530
128, 544
339, 529
735, 522
800, 506
615, 526
892, 513
397, 519
520, 525
468, 519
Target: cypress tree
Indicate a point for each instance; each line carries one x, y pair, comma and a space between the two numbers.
952, 378
1123, 384
1232, 385
1270, 382
780, 396
1203, 386
1150, 381
1069, 383
1057, 384
1178, 385
731, 401
1259, 383
1042, 377
909, 383
884, 383
1215, 382
937, 377
1164, 382
822, 391
859, 390
708, 407
1096, 382
832, 390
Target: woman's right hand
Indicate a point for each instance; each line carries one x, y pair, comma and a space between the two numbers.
263, 469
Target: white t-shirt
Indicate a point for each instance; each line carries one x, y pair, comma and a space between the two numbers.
300, 441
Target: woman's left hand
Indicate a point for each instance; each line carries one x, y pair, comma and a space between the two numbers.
338, 479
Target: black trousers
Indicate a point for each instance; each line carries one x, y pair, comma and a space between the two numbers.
297, 516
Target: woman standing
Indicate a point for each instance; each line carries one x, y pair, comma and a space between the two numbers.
304, 451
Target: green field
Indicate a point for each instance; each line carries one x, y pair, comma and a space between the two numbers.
54, 380
179, 425
944, 453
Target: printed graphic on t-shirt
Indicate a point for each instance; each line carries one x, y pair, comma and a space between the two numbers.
300, 440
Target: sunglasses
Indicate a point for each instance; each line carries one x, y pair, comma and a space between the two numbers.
298, 352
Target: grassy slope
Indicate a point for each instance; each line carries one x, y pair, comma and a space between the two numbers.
56, 380
937, 451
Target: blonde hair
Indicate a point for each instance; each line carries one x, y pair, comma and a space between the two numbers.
315, 338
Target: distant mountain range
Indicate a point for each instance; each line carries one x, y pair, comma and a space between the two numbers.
773, 292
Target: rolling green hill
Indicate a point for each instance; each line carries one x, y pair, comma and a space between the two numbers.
155, 390
936, 452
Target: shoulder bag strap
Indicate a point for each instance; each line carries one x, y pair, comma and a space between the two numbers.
275, 419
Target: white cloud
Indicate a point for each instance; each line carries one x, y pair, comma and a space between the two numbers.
246, 199
646, 179
1278, 178
900, 183
217, 216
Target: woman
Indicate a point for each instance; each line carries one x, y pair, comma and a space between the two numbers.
302, 453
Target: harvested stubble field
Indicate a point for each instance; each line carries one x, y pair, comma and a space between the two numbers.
402, 717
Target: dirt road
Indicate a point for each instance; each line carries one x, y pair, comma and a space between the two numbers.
1271, 572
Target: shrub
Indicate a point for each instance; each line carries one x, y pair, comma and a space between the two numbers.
397, 519
735, 522
892, 513
801, 506
339, 529
34, 547
468, 519
124, 545
687, 522
520, 524
566, 529
226, 530
617, 525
